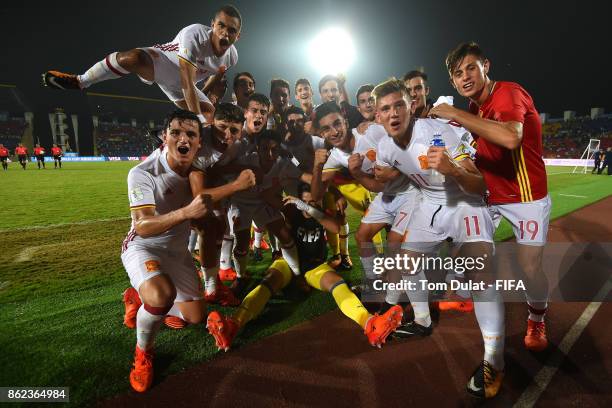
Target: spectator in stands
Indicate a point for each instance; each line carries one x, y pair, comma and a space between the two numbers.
607, 162
598, 156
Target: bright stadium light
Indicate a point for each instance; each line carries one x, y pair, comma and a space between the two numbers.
331, 51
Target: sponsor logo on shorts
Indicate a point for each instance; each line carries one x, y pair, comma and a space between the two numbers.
152, 265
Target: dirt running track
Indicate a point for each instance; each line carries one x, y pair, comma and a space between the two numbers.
328, 362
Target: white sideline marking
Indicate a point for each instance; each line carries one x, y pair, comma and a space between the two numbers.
27, 253
542, 379
65, 224
563, 172
572, 195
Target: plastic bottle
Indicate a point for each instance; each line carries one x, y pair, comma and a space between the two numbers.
435, 176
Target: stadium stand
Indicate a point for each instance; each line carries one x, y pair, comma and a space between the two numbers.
122, 140
568, 139
11, 130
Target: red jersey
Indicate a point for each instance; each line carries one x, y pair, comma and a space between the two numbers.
519, 175
39, 151
21, 150
56, 151
4, 152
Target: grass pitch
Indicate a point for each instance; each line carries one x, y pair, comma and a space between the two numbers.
61, 280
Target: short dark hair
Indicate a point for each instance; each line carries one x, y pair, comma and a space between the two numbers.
362, 89
259, 98
229, 112
230, 11
269, 134
325, 109
278, 83
292, 110
302, 81
182, 114
303, 188
328, 78
388, 87
454, 57
414, 74
244, 73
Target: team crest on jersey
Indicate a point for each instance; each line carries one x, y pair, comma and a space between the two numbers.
371, 155
136, 194
152, 265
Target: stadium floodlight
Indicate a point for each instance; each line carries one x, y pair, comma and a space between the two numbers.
332, 51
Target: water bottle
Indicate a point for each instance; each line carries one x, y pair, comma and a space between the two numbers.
435, 177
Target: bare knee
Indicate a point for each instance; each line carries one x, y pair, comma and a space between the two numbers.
158, 291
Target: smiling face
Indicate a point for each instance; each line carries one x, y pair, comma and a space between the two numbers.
256, 116
303, 94
366, 106
225, 32
332, 127
330, 91
418, 91
469, 76
394, 114
182, 139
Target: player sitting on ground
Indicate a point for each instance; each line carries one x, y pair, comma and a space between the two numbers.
308, 224
154, 255
198, 53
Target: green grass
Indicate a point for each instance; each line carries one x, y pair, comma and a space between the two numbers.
61, 280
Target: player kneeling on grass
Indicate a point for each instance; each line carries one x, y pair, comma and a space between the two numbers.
308, 224
154, 254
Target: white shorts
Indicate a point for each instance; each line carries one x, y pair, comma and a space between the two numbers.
240, 216
168, 77
143, 263
394, 210
529, 220
431, 224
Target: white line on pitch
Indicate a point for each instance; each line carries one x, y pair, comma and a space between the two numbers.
542, 379
572, 195
66, 224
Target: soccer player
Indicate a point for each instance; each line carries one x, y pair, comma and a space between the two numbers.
508, 134
416, 83
217, 144
308, 224
39, 152
4, 154
198, 53
303, 96
452, 207
365, 102
56, 151
154, 255
331, 88
22, 154
279, 97
244, 86
332, 126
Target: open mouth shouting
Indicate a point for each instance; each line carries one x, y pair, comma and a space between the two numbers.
184, 149
224, 42
395, 124
468, 86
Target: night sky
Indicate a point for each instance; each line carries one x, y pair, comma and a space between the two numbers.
557, 50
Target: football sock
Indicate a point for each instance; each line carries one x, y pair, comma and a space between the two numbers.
344, 234
252, 305
103, 70
227, 246
419, 299
368, 266
350, 304
240, 263
210, 279
537, 310
333, 241
489, 310
193, 240
378, 242
290, 254
148, 321
313, 276
257, 236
